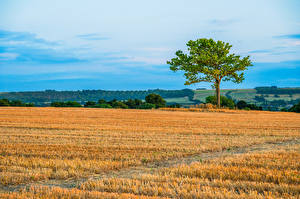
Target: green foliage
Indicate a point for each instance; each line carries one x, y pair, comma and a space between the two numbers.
295, 108
275, 90
260, 99
16, 103
102, 106
155, 99
210, 61
129, 104
101, 101
6, 102
225, 102
244, 105
175, 105
112, 101
251, 97
254, 107
72, 104
146, 106
65, 104
133, 104
241, 104
57, 104
89, 104
42, 98
118, 104
278, 103
29, 105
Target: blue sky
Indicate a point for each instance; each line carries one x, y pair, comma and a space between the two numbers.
124, 45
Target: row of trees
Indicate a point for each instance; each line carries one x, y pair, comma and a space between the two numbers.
42, 98
227, 102
295, 108
65, 104
244, 105
6, 102
151, 101
275, 90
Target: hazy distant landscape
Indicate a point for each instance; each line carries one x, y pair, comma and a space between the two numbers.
270, 98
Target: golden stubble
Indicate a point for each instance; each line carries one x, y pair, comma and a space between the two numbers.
40, 144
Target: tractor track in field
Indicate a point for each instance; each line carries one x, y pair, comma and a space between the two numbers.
153, 167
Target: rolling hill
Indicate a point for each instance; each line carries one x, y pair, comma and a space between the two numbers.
270, 98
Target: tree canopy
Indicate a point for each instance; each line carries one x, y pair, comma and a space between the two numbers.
225, 102
210, 61
295, 108
155, 99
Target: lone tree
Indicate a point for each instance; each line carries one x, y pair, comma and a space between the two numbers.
210, 61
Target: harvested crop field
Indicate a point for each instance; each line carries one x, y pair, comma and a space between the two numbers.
116, 153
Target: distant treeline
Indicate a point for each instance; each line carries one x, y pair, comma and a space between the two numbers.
151, 101
242, 105
275, 90
6, 102
42, 98
295, 108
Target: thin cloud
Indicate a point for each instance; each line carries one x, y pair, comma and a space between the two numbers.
23, 37
92, 37
291, 40
157, 49
290, 80
276, 51
261, 51
23, 47
290, 36
222, 22
8, 56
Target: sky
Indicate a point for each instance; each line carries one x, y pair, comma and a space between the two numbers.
124, 45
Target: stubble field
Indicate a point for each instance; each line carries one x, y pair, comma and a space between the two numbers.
111, 153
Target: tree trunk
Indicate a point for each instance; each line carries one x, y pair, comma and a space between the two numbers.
217, 85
